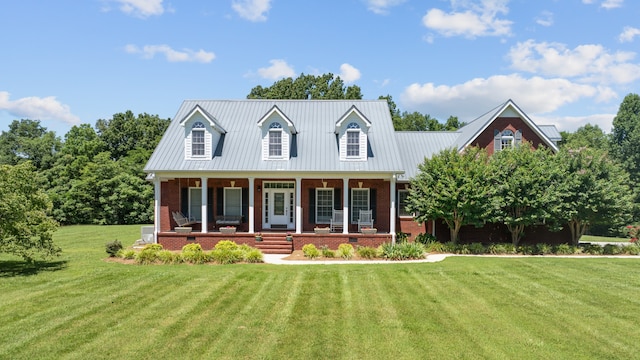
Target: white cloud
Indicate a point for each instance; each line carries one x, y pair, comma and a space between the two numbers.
537, 95
545, 18
186, 55
611, 4
628, 33
278, 69
141, 8
572, 123
36, 108
252, 10
348, 73
382, 6
589, 63
470, 19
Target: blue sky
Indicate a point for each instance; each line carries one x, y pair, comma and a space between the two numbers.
564, 62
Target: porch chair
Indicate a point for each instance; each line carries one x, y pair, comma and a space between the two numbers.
336, 220
365, 219
182, 220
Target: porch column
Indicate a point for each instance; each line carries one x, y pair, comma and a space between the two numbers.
251, 204
205, 213
298, 205
345, 206
156, 208
392, 210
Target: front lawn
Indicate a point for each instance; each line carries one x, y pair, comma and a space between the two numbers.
82, 307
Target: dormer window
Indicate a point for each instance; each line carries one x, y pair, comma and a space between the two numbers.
353, 140
506, 139
275, 140
197, 139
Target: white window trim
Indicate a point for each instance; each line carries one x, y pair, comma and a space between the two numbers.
203, 144
352, 209
357, 145
281, 145
328, 221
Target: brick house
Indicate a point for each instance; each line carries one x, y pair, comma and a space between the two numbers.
284, 168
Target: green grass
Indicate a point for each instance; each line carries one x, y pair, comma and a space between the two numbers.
594, 238
81, 307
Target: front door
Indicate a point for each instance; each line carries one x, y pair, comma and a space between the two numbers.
279, 206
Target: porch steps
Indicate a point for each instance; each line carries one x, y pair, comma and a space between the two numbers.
274, 244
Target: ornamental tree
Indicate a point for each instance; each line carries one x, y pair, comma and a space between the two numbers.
596, 191
451, 186
26, 229
524, 188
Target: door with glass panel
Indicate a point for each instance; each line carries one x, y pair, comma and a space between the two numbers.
279, 205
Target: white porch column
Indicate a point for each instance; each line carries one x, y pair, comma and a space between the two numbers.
392, 210
345, 206
205, 213
298, 205
252, 197
156, 208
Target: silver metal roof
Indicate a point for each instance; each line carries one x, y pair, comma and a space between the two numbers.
415, 146
317, 146
551, 131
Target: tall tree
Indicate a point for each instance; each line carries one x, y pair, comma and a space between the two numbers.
625, 136
307, 87
586, 136
451, 186
27, 140
126, 132
26, 229
595, 191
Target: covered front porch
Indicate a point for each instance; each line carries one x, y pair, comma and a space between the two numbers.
274, 207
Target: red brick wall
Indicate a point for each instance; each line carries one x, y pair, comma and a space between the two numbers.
498, 233
485, 139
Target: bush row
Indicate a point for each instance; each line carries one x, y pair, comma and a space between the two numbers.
538, 249
398, 251
225, 252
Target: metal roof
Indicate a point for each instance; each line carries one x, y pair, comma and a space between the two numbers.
415, 146
551, 131
314, 121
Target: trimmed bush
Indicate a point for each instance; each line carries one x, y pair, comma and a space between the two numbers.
169, 257
611, 249
326, 252
434, 247
253, 255
113, 247
366, 252
227, 252
565, 249
345, 251
631, 249
593, 249
544, 249
402, 251
476, 248
127, 254
149, 254
310, 251
193, 254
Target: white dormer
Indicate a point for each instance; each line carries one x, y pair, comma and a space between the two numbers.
352, 130
277, 135
201, 133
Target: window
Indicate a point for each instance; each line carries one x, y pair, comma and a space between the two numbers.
359, 201
324, 205
197, 139
195, 203
233, 201
403, 195
353, 140
506, 140
275, 140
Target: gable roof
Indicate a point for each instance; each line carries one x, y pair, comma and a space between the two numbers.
283, 116
317, 148
415, 146
212, 120
473, 129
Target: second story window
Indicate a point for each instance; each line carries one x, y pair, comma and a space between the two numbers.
275, 140
353, 140
197, 139
506, 139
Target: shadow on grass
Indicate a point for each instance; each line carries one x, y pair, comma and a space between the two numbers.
11, 268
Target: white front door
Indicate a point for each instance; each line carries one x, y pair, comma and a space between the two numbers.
279, 208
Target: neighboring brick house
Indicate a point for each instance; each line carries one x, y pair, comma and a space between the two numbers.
277, 166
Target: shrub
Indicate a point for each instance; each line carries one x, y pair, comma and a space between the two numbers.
631, 249
611, 249
564, 249
425, 239
127, 254
450, 247
544, 249
169, 257
148, 254
326, 252
227, 252
402, 251
193, 254
593, 249
310, 251
434, 247
345, 251
113, 247
527, 250
401, 237
476, 248
254, 255
366, 252
501, 248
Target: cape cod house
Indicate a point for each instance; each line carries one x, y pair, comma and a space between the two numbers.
287, 169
